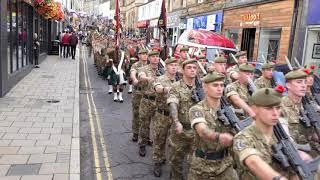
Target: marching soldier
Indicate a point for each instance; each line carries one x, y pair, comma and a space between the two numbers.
252, 146
265, 80
238, 91
292, 108
203, 61
212, 158
128, 69
219, 65
183, 54
147, 76
137, 94
180, 102
232, 72
162, 120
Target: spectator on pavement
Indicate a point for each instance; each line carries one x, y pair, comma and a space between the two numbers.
73, 44
66, 45
61, 44
36, 45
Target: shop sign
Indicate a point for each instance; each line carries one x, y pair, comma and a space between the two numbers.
173, 19
250, 19
210, 22
153, 23
142, 24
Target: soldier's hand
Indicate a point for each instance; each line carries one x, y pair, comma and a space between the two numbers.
150, 79
166, 90
179, 127
210, 68
226, 139
135, 82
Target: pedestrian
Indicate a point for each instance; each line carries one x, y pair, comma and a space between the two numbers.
61, 43
66, 43
36, 45
73, 44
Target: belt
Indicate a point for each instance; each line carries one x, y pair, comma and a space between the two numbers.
186, 126
164, 112
210, 156
152, 98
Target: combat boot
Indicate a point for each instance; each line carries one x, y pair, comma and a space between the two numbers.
142, 151
120, 97
157, 169
130, 89
110, 89
135, 137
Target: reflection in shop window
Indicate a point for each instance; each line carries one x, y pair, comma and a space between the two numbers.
233, 34
269, 44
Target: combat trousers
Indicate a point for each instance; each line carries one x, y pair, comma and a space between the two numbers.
228, 174
146, 112
181, 147
161, 124
136, 98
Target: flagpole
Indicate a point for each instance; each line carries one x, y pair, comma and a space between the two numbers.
162, 24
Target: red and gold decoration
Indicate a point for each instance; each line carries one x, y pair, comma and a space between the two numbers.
49, 9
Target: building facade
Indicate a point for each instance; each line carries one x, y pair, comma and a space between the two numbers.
19, 21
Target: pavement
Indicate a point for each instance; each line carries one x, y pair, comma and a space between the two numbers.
39, 124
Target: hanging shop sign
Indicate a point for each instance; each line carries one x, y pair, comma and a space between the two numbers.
173, 19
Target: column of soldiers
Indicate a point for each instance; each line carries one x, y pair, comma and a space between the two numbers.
195, 132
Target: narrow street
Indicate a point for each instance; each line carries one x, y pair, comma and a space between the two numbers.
107, 151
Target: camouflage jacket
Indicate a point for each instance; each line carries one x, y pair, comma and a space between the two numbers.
262, 82
181, 94
202, 113
236, 88
136, 67
231, 70
161, 99
290, 111
148, 86
251, 141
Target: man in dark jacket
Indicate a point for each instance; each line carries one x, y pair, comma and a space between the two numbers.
73, 44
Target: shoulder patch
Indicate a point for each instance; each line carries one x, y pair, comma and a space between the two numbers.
239, 145
196, 114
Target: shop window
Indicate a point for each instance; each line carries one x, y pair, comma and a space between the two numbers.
269, 44
43, 35
233, 34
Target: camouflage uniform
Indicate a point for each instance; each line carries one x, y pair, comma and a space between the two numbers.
162, 121
298, 131
236, 88
262, 82
231, 70
136, 98
147, 105
251, 141
217, 168
181, 144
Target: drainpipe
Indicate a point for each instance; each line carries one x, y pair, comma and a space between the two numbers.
293, 27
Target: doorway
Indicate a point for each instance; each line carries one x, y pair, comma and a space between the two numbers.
247, 43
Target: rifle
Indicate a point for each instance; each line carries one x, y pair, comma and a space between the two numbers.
315, 89
228, 117
198, 93
311, 116
287, 155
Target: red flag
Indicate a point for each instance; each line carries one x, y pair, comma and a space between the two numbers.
117, 18
162, 23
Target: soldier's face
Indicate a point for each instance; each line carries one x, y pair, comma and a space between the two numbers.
242, 59
203, 62
214, 89
143, 56
172, 68
220, 67
190, 70
297, 87
243, 76
267, 73
268, 116
183, 54
309, 80
154, 59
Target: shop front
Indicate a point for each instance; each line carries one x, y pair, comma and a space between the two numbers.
311, 53
263, 30
173, 27
211, 22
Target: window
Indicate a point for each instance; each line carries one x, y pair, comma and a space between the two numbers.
269, 44
233, 34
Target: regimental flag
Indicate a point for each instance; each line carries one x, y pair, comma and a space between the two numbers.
117, 19
162, 23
